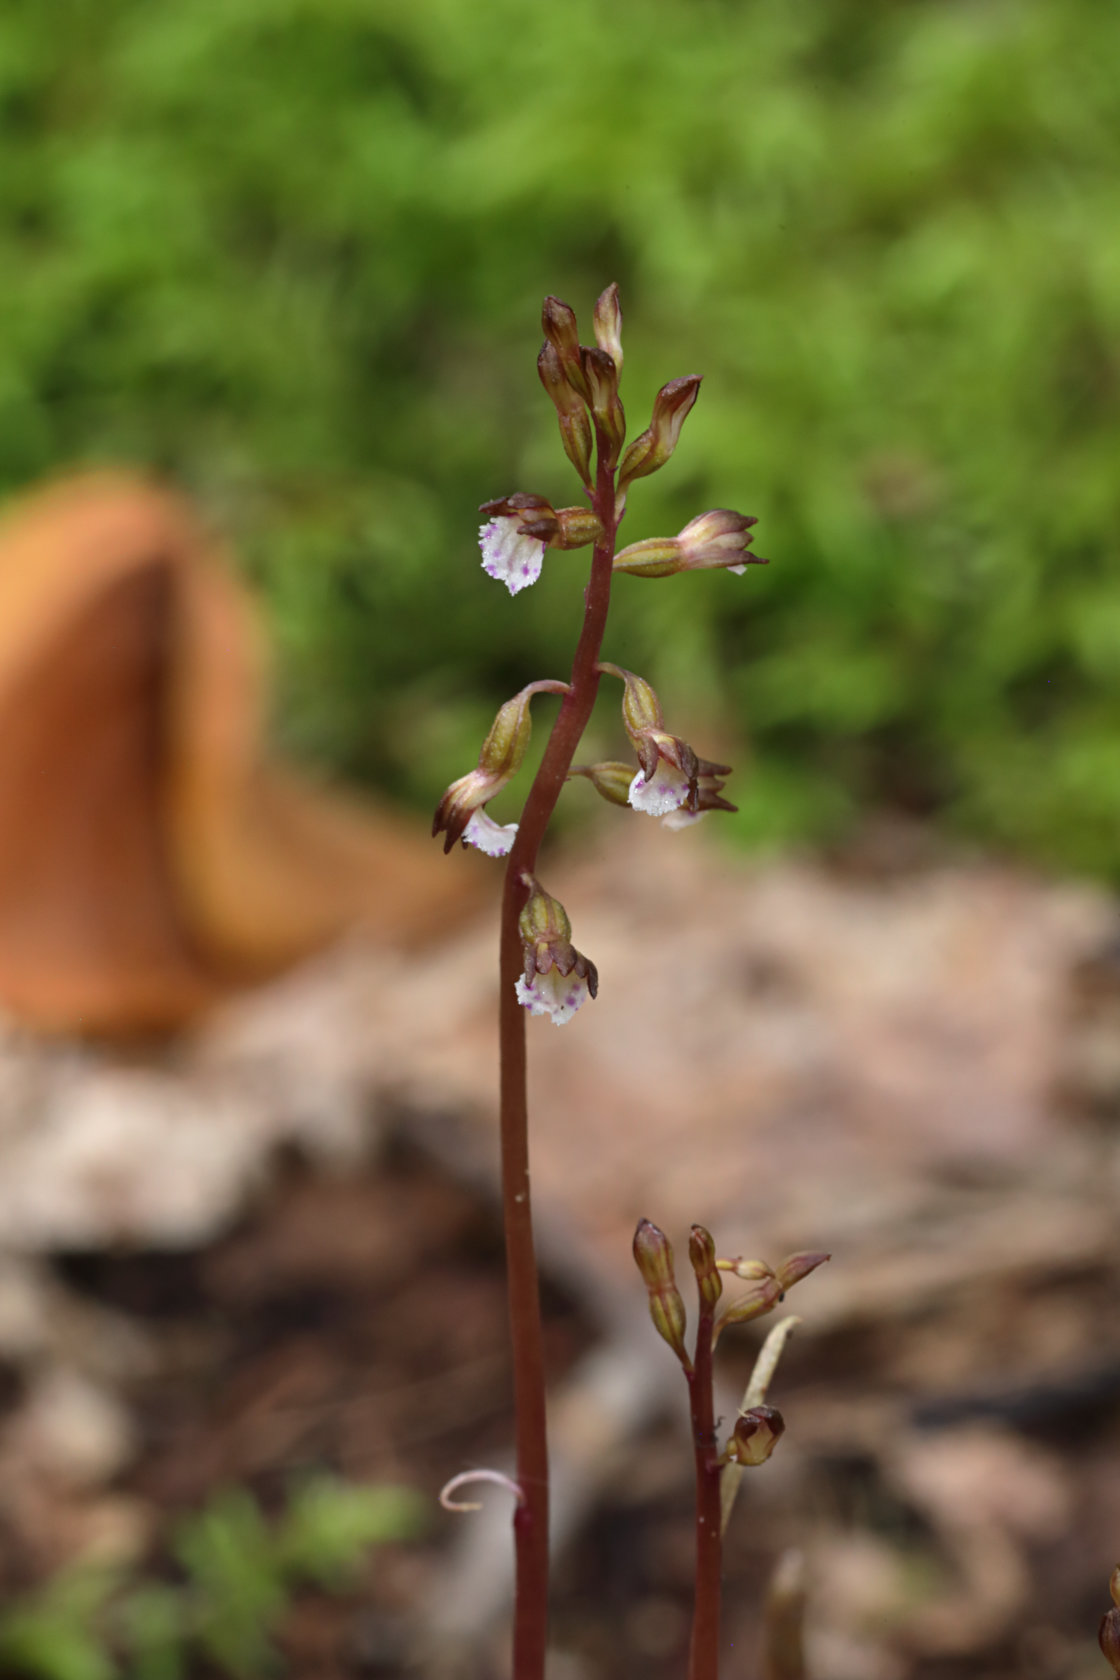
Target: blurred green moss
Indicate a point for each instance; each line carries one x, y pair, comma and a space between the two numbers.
292, 253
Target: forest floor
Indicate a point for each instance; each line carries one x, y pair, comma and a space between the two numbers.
272, 1247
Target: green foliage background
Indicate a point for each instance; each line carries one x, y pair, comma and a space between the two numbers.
292, 252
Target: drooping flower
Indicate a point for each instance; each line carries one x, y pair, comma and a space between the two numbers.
557, 977
508, 555
459, 814
519, 528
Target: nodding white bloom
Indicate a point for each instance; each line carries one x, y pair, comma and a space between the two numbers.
495, 839
508, 555
555, 994
665, 791
557, 977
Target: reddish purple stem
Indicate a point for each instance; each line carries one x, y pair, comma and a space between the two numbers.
530, 1523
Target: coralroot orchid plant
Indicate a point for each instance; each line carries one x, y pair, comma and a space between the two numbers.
542, 972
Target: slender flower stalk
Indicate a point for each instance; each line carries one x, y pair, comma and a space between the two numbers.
541, 971
530, 1523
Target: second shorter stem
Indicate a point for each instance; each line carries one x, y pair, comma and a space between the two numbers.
703, 1656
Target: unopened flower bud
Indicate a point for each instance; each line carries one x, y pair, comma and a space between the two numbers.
557, 977
571, 412
1114, 1585
611, 779
768, 1290
755, 1435
608, 325
652, 449
459, 814
798, 1266
577, 526
719, 539
702, 1254
1109, 1637
558, 320
606, 405
653, 1254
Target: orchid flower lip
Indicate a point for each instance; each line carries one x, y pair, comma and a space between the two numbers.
667, 790
495, 839
508, 555
553, 994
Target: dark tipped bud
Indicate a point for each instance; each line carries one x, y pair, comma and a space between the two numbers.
798, 1266
671, 408
756, 1434
575, 422
1109, 1637
702, 1254
558, 320
608, 325
653, 1255
606, 405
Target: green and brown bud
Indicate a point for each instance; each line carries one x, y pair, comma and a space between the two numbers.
571, 411
653, 1255
558, 321
611, 779
671, 408
702, 1254
606, 404
756, 1433
769, 1288
608, 325
502, 753
718, 539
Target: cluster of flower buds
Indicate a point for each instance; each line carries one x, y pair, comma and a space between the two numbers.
671, 781
768, 1285
519, 528
557, 977
1109, 1635
460, 814
719, 538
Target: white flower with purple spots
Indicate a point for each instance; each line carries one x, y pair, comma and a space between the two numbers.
507, 555
555, 994
495, 839
666, 791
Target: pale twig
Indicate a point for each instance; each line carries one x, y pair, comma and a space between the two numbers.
762, 1375
465, 1478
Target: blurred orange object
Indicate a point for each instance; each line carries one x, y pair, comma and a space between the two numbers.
150, 859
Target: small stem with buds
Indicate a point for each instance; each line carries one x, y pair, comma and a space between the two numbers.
530, 1522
